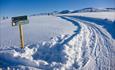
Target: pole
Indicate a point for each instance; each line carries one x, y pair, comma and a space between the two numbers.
21, 35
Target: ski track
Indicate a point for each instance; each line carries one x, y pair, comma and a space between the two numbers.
88, 48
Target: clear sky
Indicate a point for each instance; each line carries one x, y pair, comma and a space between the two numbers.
25, 7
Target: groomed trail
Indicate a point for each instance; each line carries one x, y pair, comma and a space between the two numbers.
90, 47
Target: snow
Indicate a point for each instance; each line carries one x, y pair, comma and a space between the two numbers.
101, 15
39, 29
63, 42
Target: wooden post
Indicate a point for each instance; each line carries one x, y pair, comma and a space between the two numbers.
20, 20
21, 35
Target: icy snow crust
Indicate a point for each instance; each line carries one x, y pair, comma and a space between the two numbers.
90, 46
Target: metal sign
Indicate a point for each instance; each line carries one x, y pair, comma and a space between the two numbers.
19, 21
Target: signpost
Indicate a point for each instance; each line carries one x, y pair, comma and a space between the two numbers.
19, 21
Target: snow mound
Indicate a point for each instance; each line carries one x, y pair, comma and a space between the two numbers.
35, 55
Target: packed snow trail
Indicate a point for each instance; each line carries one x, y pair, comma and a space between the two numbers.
101, 45
90, 47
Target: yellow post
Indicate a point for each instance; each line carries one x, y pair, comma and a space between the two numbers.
21, 35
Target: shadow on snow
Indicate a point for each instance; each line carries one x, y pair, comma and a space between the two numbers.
47, 52
55, 53
108, 25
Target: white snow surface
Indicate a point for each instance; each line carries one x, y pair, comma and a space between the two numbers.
39, 29
64, 42
102, 15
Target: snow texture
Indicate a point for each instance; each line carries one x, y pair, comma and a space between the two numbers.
80, 43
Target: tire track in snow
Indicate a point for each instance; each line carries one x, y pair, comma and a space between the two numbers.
82, 59
99, 48
102, 43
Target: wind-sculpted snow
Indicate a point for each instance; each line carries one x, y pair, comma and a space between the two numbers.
91, 46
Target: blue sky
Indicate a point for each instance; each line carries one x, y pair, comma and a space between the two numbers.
25, 7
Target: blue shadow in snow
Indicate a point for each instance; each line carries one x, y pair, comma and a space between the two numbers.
108, 25
57, 49
77, 31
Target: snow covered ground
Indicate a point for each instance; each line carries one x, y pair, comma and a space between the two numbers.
64, 42
102, 15
39, 29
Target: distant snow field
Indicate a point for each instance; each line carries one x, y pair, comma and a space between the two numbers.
102, 15
78, 41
